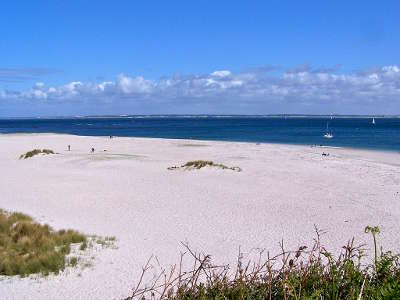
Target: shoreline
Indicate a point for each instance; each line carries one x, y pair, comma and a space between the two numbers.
204, 140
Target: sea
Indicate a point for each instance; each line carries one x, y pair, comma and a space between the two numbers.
354, 132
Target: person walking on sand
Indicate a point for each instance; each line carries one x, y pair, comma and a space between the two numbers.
92, 150
69, 147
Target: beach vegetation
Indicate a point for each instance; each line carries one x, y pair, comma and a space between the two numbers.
47, 151
106, 242
83, 246
35, 152
73, 261
28, 247
305, 273
199, 164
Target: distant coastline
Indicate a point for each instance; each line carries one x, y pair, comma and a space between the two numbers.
338, 116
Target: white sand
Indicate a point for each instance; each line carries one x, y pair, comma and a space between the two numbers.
128, 192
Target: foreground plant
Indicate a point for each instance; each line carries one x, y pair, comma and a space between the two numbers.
27, 247
198, 164
302, 274
34, 152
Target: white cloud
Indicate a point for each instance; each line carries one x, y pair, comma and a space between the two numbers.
223, 73
303, 86
104, 85
130, 85
391, 69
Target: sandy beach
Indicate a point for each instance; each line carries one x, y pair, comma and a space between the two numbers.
124, 189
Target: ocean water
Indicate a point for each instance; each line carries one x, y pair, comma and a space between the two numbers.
348, 132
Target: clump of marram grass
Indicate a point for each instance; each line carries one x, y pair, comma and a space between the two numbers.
304, 273
34, 152
198, 164
27, 247
30, 154
47, 151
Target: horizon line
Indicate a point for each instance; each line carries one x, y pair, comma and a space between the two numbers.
127, 116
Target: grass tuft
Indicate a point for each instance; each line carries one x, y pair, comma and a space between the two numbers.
35, 152
27, 247
199, 164
73, 262
83, 246
47, 151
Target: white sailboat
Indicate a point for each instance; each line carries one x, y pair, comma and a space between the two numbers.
328, 134
373, 121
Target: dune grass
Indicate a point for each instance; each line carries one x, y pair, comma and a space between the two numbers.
301, 274
27, 247
199, 164
34, 152
47, 151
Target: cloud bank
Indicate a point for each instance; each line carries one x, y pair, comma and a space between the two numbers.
263, 90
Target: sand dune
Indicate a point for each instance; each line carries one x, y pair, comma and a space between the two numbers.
125, 190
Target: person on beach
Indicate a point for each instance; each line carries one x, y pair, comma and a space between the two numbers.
69, 147
92, 150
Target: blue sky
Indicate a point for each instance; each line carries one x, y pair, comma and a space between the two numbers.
116, 57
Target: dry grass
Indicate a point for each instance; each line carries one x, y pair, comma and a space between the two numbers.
35, 152
301, 274
27, 247
199, 164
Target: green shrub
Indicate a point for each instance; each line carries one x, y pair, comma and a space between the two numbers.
47, 151
34, 152
198, 164
73, 261
30, 153
27, 247
306, 273
83, 246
